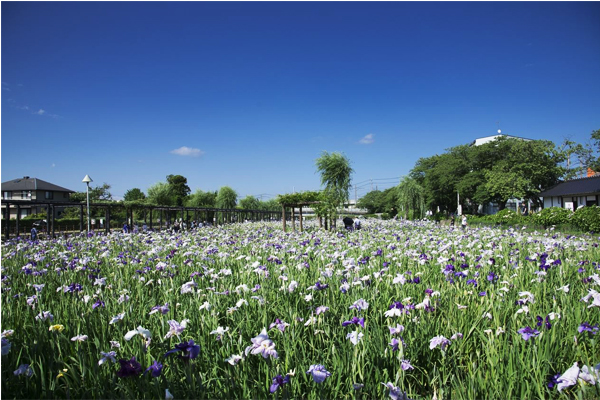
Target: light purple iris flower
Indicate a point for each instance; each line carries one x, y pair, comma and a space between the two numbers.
262, 345
439, 341
527, 333
395, 392
162, 309
360, 305
405, 365
176, 328
318, 373
321, 309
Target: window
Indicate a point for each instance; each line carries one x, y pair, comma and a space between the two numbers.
7, 195
49, 195
66, 195
26, 194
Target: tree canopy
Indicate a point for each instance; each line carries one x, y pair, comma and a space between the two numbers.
226, 198
134, 194
336, 174
178, 188
493, 172
159, 194
97, 194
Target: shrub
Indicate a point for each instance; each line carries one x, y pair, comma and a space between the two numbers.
587, 218
553, 216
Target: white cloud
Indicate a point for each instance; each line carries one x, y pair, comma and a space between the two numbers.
53, 165
368, 139
187, 151
40, 112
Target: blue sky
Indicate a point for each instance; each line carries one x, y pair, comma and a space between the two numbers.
249, 94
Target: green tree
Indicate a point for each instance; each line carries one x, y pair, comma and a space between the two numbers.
411, 200
526, 168
250, 203
372, 202
179, 188
97, 194
202, 199
134, 194
336, 174
160, 194
226, 198
594, 163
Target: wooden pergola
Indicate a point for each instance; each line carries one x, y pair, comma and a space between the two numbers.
293, 207
166, 214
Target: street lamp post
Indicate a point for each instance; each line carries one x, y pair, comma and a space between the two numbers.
87, 181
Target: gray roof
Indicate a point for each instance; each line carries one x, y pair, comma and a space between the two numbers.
27, 183
574, 187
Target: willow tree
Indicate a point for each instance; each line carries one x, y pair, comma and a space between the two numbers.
411, 199
336, 174
226, 198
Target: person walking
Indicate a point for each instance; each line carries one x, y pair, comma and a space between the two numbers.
33, 234
357, 224
464, 222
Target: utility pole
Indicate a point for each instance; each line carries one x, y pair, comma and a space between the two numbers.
371, 184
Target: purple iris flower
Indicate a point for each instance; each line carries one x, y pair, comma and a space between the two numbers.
492, 277
321, 309
360, 305
189, 350
554, 380
405, 365
98, 304
540, 321
318, 373
355, 321
129, 368
280, 324
527, 333
586, 327
155, 369
161, 309
278, 381
395, 343
320, 286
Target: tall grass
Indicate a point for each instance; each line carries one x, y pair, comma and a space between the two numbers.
491, 360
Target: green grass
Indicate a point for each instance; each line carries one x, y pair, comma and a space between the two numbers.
480, 365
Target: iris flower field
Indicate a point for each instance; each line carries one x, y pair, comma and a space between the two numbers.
401, 310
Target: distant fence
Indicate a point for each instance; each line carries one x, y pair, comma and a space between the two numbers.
154, 217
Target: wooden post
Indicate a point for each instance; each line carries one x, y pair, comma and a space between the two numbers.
7, 221
53, 228
107, 220
18, 219
294, 218
300, 218
150, 218
81, 218
47, 219
283, 218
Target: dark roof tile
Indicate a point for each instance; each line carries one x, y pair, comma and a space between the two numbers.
27, 183
574, 187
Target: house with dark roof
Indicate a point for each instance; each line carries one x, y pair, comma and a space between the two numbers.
573, 193
32, 189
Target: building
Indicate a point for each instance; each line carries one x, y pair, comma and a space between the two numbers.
573, 193
32, 189
487, 139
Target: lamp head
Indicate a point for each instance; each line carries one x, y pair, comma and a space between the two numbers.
87, 179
